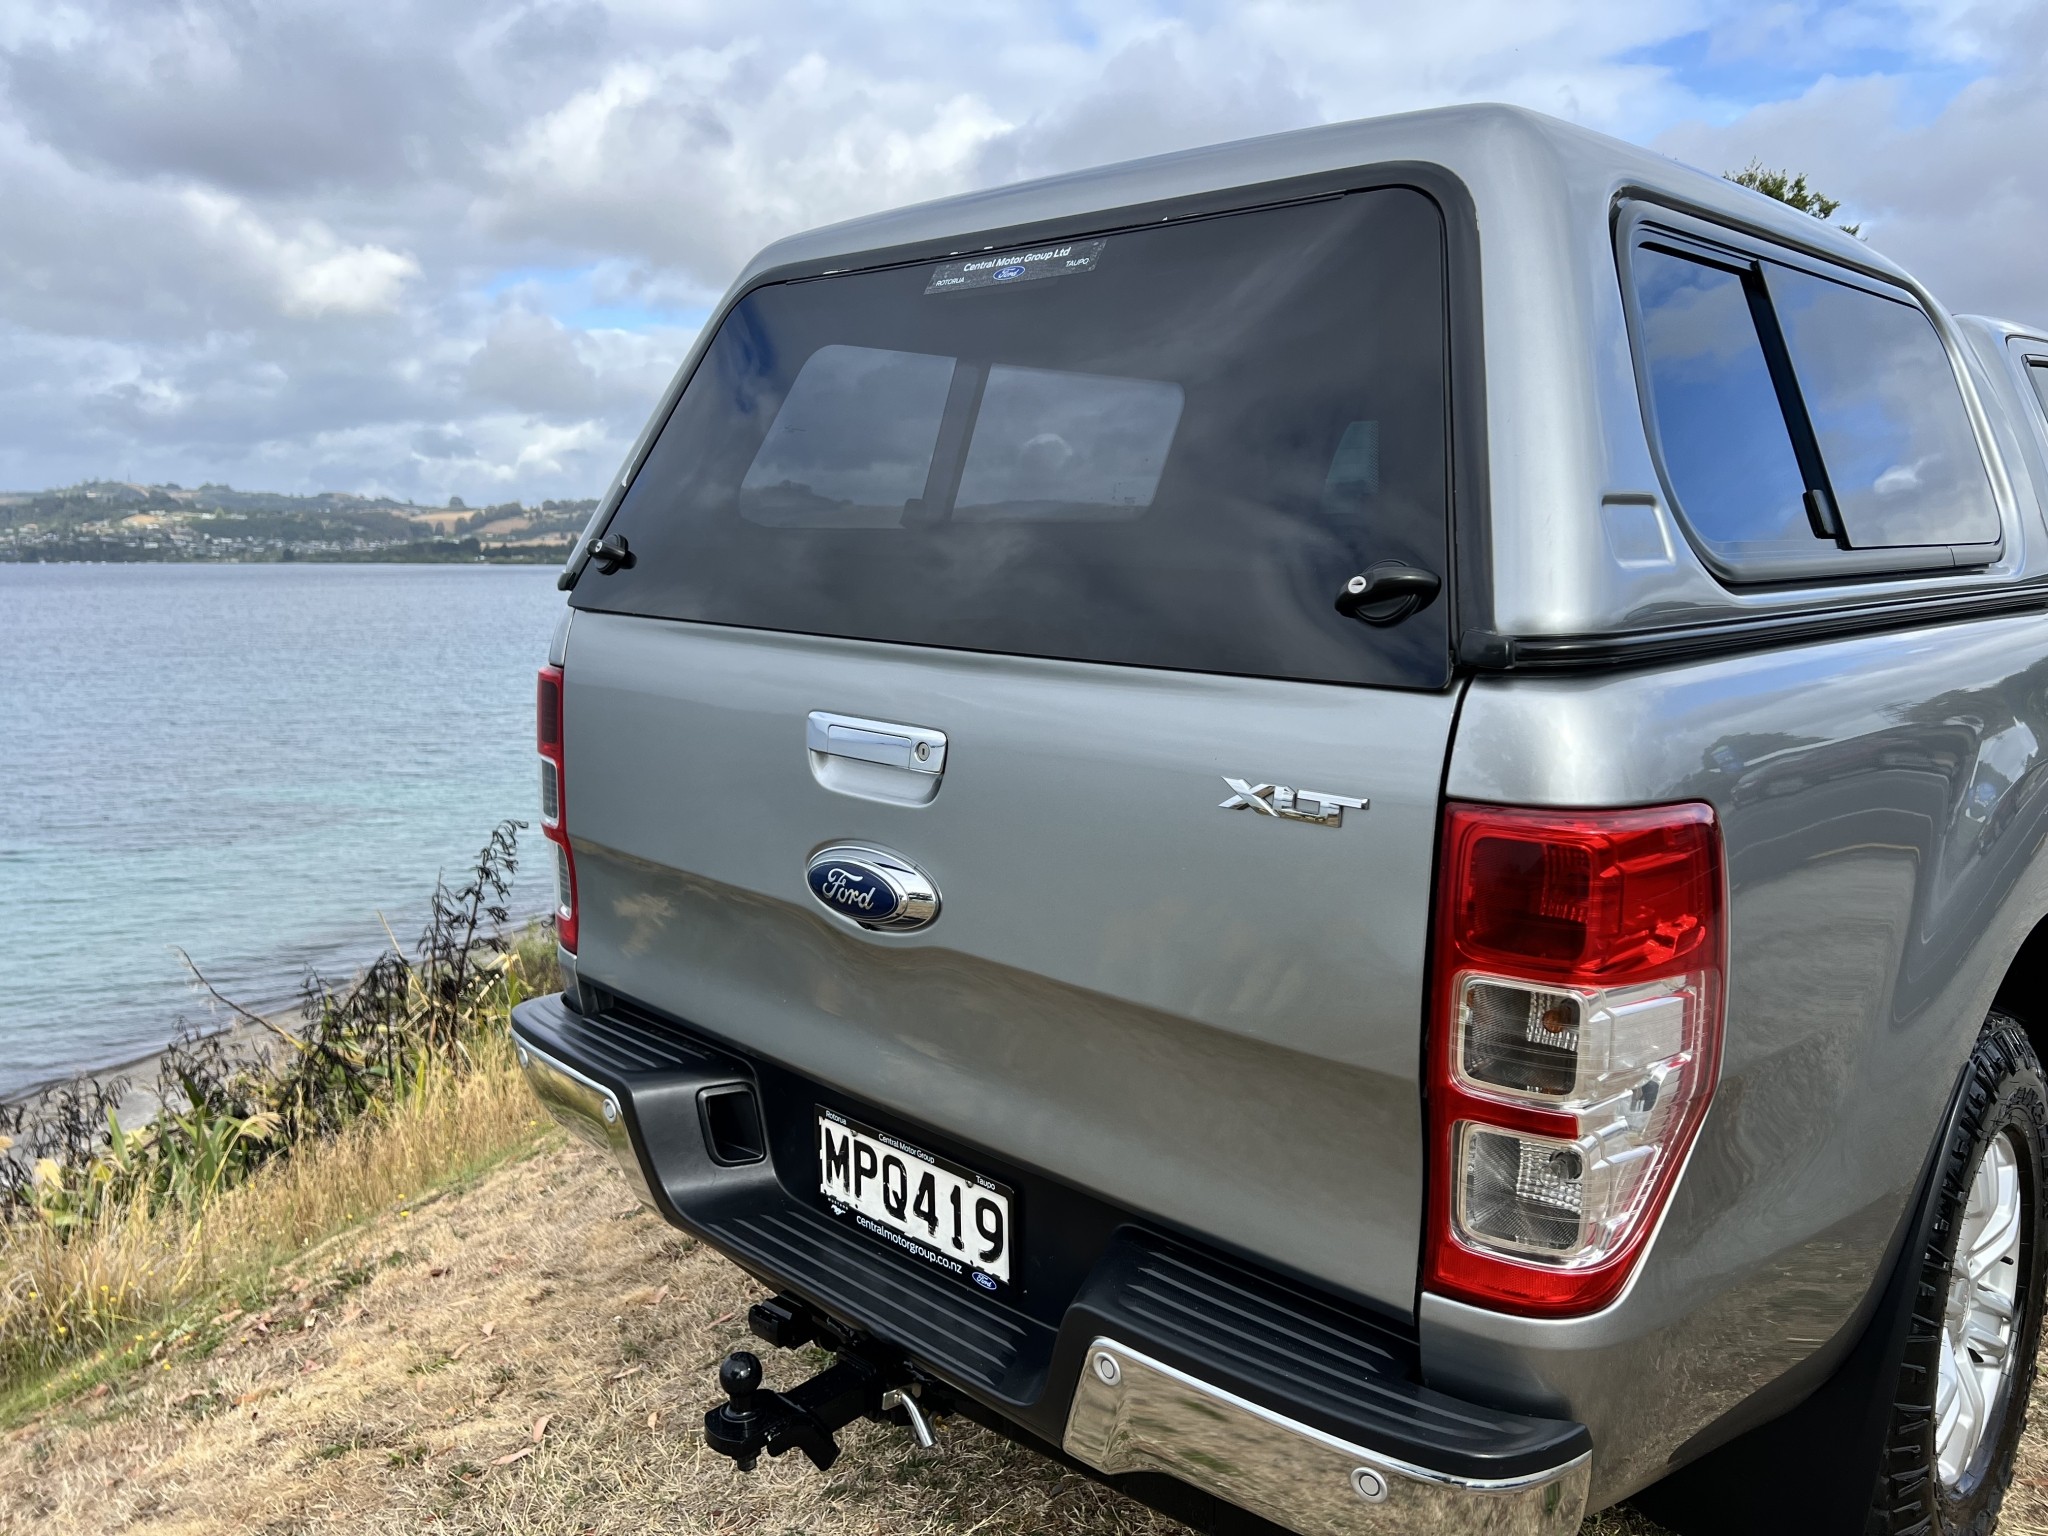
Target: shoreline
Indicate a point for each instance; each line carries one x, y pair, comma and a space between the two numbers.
141, 1064
140, 1102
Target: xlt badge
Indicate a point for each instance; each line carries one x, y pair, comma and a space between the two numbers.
1290, 804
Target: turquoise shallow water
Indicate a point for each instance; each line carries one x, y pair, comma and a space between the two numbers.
249, 761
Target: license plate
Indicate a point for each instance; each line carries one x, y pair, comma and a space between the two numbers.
926, 1206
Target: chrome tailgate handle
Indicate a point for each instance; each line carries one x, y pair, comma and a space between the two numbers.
909, 747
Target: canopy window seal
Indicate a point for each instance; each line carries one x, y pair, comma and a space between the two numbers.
1486, 651
2037, 375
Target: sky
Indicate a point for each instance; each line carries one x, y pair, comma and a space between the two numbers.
451, 248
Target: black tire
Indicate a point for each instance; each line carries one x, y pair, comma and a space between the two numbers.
2003, 1095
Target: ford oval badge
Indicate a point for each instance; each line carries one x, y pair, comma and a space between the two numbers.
872, 887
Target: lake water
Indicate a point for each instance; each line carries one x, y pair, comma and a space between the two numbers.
251, 762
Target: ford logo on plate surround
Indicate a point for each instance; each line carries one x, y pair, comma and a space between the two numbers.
872, 887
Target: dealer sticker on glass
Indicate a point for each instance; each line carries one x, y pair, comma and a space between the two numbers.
1069, 256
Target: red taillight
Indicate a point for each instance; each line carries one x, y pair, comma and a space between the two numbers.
1576, 1031
547, 728
554, 800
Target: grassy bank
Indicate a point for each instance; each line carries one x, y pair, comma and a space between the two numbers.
77, 1302
526, 1351
116, 1241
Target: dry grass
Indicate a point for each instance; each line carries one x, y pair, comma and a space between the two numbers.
400, 1372
531, 1353
116, 1283
528, 1351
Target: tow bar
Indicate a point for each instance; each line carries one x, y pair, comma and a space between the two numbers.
866, 1379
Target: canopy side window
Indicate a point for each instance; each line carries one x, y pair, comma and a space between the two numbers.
1805, 426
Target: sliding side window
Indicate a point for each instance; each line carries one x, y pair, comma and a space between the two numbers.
1726, 446
2037, 371
1807, 427
1902, 459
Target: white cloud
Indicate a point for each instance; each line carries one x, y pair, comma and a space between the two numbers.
532, 362
361, 280
310, 272
699, 159
548, 449
1958, 197
457, 248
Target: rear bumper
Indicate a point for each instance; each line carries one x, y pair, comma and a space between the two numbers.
1130, 1347
585, 1108
1131, 1413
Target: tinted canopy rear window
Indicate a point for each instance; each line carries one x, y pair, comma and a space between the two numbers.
1166, 447
2037, 370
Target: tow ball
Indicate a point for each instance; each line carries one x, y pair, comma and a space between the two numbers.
865, 1380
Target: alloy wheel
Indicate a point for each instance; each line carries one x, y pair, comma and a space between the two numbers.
1979, 1323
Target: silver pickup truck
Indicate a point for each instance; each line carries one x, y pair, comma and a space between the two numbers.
1349, 827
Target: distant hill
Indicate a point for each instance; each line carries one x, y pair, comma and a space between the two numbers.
120, 520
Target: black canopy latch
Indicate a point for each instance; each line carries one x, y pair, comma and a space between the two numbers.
1388, 592
610, 554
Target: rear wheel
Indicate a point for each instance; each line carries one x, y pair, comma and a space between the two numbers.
1960, 1399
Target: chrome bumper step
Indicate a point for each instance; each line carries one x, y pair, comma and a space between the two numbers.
1132, 1413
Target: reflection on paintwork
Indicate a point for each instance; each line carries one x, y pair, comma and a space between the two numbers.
645, 916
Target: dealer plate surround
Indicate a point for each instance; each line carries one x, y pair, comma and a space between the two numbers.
920, 1203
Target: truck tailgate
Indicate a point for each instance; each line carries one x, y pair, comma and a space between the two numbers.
1212, 1016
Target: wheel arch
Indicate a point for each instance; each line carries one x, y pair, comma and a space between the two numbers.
2023, 990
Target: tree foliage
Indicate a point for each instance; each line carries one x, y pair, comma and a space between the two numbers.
1792, 190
